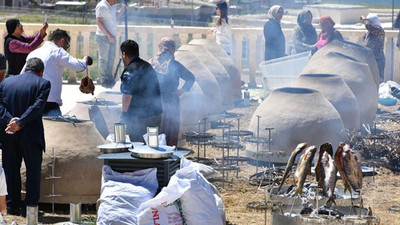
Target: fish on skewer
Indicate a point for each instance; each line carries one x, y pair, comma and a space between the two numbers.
352, 168
304, 168
299, 148
325, 172
349, 168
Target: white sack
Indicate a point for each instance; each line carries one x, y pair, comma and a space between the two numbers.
188, 199
122, 194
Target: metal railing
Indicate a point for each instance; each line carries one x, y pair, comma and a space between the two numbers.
247, 49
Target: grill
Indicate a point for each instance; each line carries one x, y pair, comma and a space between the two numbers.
124, 162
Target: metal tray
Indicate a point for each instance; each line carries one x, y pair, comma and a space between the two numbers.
115, 147
146, 152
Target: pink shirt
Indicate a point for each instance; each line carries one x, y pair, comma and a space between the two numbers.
17, 46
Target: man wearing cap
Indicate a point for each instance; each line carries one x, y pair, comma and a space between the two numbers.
18, 46
106, 33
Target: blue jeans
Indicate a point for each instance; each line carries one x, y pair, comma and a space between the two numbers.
106, 59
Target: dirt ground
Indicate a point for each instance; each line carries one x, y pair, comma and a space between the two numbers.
379, 192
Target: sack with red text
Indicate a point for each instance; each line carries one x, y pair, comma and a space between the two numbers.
187, 200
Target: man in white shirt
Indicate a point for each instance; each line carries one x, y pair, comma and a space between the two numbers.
107, 29
55, 58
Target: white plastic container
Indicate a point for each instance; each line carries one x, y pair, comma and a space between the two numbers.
282, 72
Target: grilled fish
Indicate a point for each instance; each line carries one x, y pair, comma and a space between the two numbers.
352, 168
325, 172
304, 168
300, 147
347, 164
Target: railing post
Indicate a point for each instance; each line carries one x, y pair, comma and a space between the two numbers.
253, 60
73, 42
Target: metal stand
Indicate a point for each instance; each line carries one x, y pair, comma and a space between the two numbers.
52, 195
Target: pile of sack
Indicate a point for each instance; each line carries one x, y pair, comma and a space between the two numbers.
130, 198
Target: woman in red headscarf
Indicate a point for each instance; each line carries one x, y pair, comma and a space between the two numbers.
328, 33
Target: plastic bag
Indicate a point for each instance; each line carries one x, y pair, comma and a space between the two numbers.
122, 194
188, 199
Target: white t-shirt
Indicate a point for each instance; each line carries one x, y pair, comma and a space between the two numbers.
223, 36
109, 15
3, 185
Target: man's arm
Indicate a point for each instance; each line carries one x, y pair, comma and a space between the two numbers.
37, 108
103, 28
68, 61
122, 10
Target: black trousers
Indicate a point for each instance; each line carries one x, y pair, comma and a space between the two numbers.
13, 153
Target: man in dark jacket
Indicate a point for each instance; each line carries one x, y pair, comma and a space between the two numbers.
141, 96
22, 100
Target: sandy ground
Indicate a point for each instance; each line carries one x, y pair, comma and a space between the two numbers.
379, 194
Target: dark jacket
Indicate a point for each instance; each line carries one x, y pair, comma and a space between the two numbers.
274, 40
24, 96
16, 61
139, 80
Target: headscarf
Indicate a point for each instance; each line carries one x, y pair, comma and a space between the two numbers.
374, 20
326, 23
273, 11
307, 29
166, 50
11, 25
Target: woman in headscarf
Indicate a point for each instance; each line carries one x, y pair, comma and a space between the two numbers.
222, 29
274, 37
328, 33
304, 35
169, 71
374, 39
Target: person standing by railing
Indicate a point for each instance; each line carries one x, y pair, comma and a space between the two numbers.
18, 46
107, 29
274, 37
328, 32
222, 29
304, 35
375, 40
397, 25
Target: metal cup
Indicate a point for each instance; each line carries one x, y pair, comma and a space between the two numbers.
75, 212
152, 137
119, 132
31, 215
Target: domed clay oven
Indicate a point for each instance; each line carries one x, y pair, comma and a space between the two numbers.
297, 115
76, 163
338, 94
226, 61
217, 70
357, 76
205, 80
359, 52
